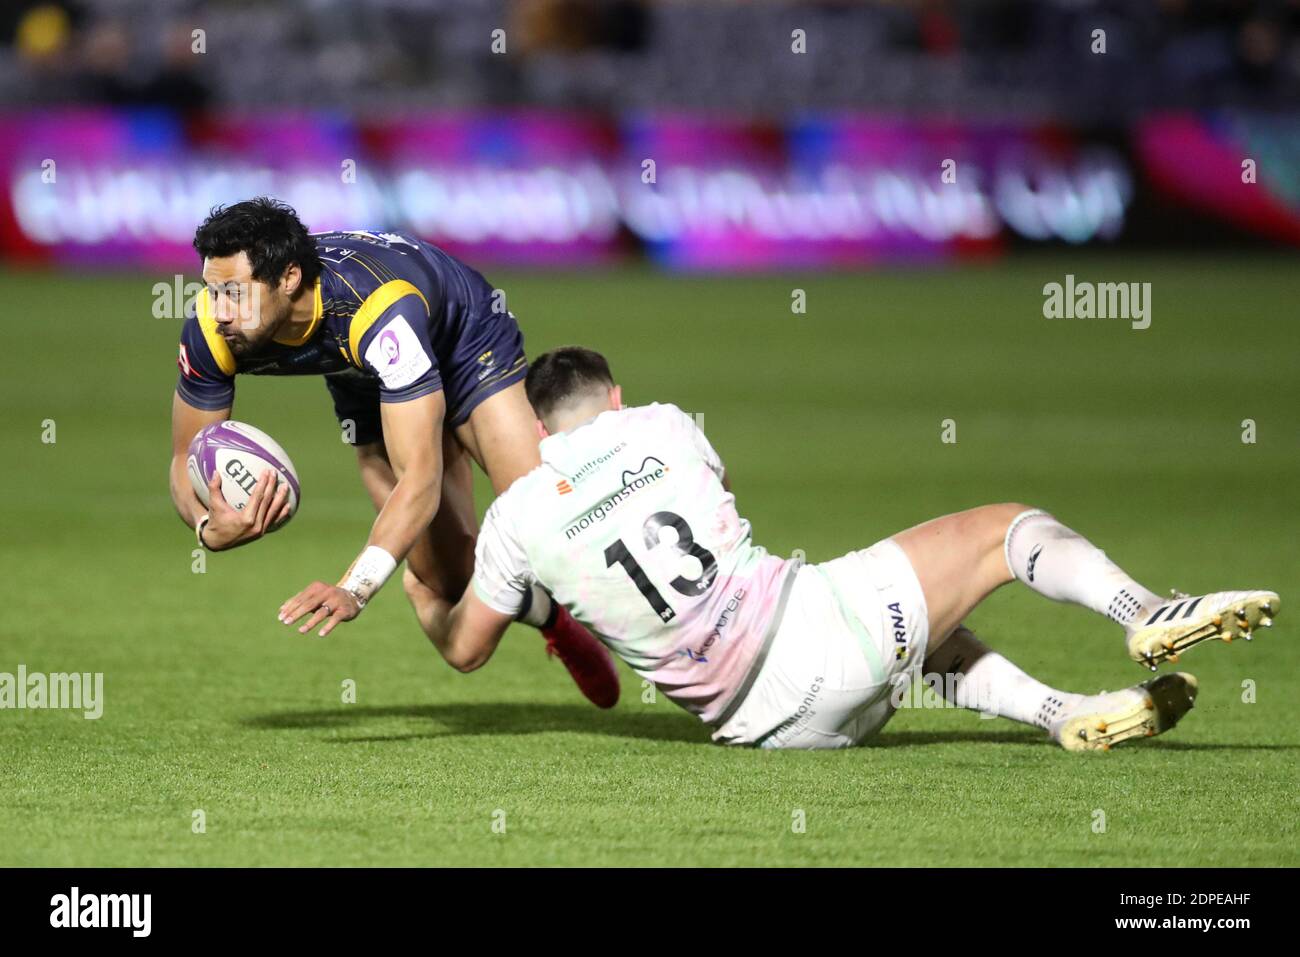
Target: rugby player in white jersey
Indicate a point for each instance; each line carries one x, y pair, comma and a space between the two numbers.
630, 525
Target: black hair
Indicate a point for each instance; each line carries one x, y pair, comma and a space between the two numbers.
563, 373
268, 230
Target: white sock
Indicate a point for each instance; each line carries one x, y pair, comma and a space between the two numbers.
1063, 565
995, 685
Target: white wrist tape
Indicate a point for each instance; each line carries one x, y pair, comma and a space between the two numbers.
368, 574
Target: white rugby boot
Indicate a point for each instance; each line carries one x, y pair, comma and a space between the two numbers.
1162, 634
1101, 721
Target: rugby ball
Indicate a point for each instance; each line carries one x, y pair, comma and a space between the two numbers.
240, 453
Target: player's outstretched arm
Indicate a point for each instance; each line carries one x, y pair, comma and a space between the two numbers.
413, 437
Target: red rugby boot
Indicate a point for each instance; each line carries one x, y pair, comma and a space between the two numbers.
590, 665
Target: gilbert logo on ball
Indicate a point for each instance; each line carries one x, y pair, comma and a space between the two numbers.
240, 453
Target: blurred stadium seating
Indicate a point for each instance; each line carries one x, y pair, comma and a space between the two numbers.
840, 147
1028, 58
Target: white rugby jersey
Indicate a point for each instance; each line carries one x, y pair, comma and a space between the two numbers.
627, 524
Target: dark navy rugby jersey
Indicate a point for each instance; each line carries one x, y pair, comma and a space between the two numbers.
393, 316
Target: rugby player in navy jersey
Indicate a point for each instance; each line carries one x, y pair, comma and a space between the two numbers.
426, 372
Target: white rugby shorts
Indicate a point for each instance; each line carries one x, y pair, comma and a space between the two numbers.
854, 629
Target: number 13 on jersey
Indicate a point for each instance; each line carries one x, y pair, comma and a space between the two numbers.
617, 553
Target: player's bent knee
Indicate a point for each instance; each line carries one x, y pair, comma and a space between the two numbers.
997, 519
992, 523
467, 664
1005, 513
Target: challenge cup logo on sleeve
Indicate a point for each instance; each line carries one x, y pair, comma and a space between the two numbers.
389, 346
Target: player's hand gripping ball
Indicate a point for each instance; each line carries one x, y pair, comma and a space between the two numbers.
240, 453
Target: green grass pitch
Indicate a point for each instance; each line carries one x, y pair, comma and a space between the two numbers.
830, 426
